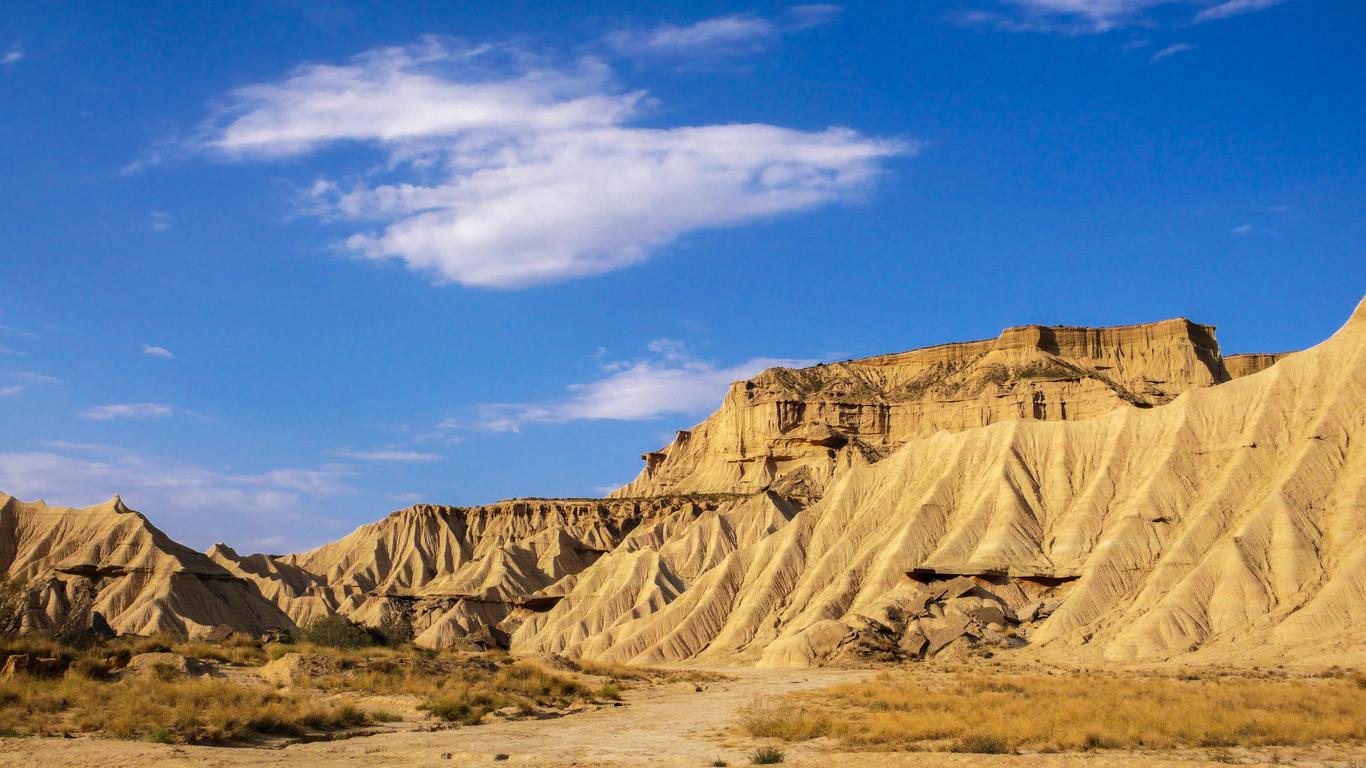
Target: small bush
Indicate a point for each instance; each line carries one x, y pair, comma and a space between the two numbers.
335, 632
767, 756
981, 745
162, 735
396, 628
90, 668
610, 691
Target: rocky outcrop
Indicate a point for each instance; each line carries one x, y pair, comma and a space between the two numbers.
795, 430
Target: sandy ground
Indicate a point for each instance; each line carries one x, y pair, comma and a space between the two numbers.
670, 725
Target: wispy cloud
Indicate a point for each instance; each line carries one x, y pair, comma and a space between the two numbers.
26, 380
187, 499
11, 57
720, 36
33, 377
151, 350
668, 381
723, 35
1235, 8
159, 221
509, 174
390, 455
128, 411
1172, 50
1096, 16
1242, 229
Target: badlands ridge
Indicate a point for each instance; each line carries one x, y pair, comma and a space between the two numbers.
1113, 494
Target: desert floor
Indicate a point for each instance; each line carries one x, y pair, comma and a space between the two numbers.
668, 725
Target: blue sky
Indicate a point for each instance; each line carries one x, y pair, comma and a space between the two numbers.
272, 270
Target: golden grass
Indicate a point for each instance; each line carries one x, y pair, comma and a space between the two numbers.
457, 686
1008, 712
185, 710
467, 692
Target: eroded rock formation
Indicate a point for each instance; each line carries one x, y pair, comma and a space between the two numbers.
1121, 493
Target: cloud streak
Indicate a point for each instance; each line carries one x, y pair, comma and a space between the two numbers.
389, 455
1097, 16
718, 37
190, 500
1236, 8
128, 411
151, 350
670, 382
505, 172
1172, 50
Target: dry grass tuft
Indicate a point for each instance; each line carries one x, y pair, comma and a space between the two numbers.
997, 714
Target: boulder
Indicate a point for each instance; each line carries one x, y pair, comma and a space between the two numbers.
28, 664
161, 665
291, 668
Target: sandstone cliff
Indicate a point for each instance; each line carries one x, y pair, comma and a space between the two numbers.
795, 430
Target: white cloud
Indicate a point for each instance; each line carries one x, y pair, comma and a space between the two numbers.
509, 176
1242, 229
159, 221
33, 377
1234, 8
1094, 16
723, 35
152, 350
1172, 50
186, 499
18, 331
12, 390
719, 36
671, 382
389, 454
12, 56
128, 411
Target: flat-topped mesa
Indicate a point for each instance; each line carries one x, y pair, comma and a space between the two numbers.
793, 430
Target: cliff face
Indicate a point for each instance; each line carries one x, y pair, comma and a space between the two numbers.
795, 430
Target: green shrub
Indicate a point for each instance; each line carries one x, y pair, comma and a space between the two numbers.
335, 632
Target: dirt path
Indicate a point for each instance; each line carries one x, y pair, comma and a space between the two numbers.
667, 726
673, 724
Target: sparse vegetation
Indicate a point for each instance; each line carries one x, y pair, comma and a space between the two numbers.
1002, 713
767, 756
199, 711
83, 689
